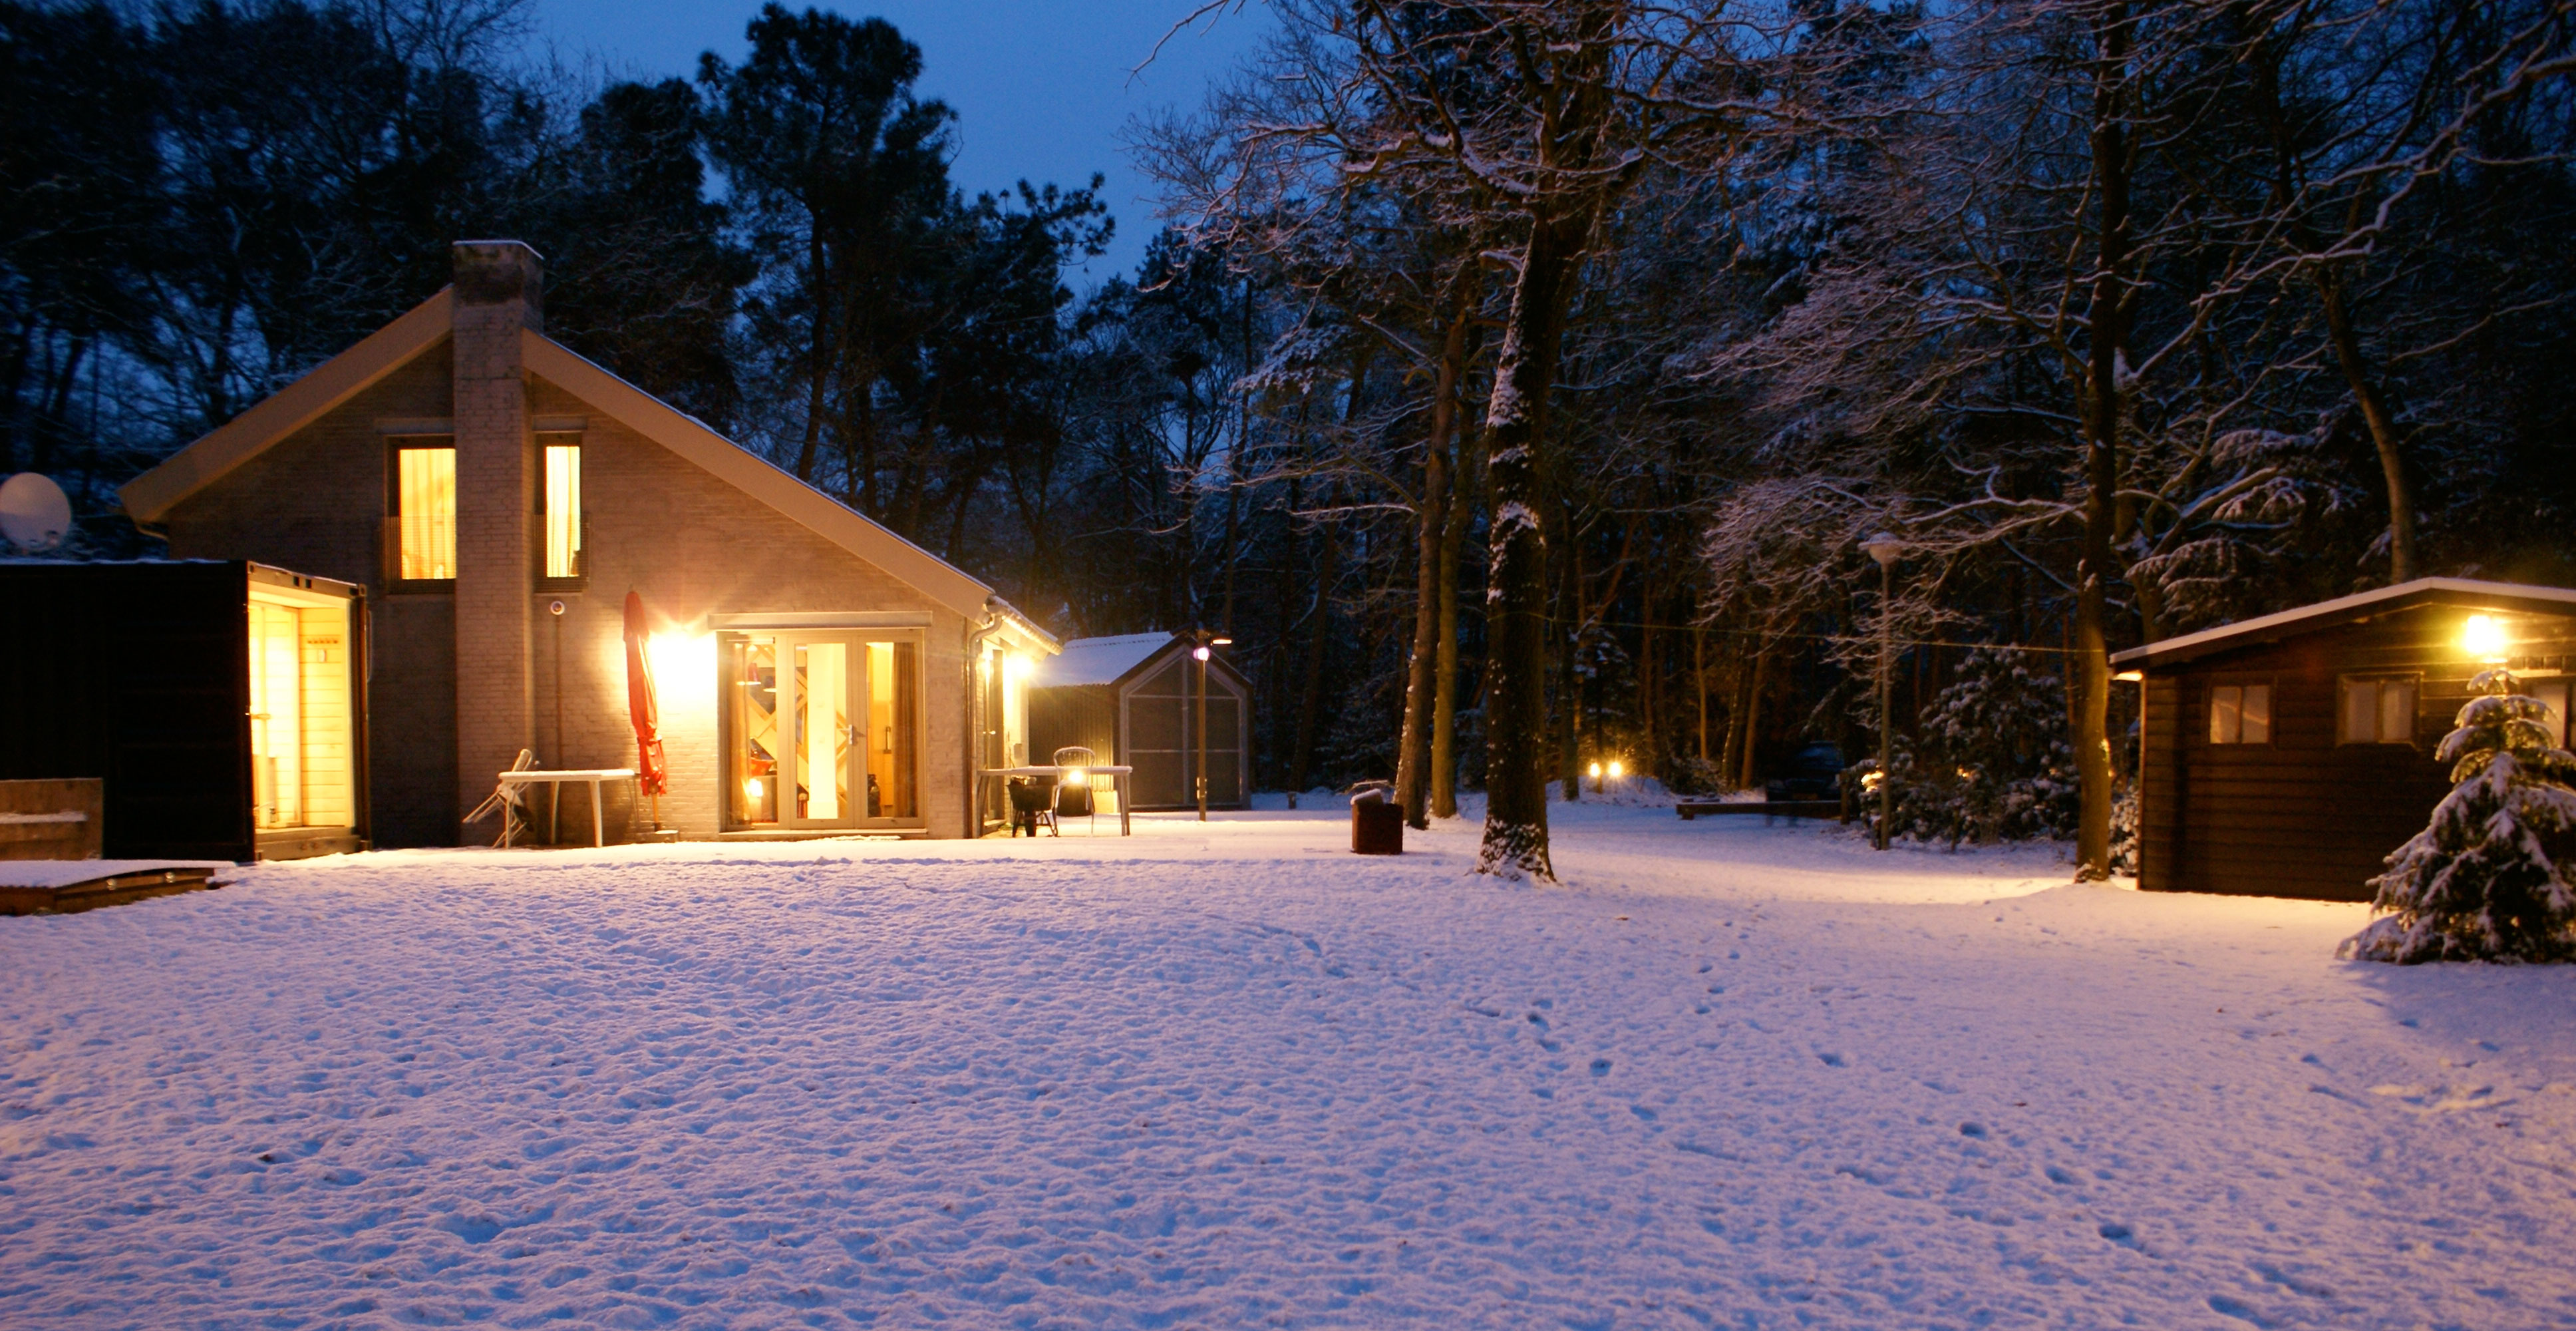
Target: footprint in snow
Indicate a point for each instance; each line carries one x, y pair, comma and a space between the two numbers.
1601, 1067
2118, 1233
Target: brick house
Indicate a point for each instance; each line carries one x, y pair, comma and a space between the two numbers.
498, 496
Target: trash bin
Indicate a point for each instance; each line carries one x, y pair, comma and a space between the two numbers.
1377, 825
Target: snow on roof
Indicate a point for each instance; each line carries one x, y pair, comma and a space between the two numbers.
2363, 605
1099, 660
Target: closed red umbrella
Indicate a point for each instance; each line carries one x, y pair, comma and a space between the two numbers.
652, 776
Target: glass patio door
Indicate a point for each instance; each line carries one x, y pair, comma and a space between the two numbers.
822, 730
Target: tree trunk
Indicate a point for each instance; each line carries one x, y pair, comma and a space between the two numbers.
2110, 150
2375, 414
1752, 741
818, 362
1569, 660
1515, 843
1699, 684
1413, 751
1463, 483
1310, 706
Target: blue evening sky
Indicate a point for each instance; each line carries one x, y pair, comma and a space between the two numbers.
1041, 89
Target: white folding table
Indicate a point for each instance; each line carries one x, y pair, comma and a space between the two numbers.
1117, 782
593, 775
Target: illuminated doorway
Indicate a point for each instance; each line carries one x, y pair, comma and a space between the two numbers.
822, 731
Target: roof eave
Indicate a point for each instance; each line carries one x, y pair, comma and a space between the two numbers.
2465, 593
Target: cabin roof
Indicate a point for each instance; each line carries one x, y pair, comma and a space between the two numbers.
1100, 660
2462, 593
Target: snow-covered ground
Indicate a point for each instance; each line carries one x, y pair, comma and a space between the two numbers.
1229, 1075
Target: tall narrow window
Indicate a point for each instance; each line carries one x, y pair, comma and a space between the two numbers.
425, 508
2240, 714
2375, 711
562, 500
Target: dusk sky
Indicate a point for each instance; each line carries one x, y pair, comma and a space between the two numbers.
1041, 89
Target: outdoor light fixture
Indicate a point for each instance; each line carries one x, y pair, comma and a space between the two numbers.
1016, 666
2484, 638
1220, 642
1884, 547
1614, 769
1595, 770
1201, 653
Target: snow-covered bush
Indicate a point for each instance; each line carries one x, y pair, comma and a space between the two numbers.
1989, 760
2493, 878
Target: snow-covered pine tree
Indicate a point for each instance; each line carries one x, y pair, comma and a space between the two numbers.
2493, 878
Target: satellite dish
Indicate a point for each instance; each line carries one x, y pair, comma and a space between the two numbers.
34, 515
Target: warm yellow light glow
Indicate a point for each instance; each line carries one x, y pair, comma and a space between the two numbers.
1077, 778
426, 485
1596, 770
1869, 780
1201, 653
563, 511
751, 788
1017, 666
2484, 638
1614, 770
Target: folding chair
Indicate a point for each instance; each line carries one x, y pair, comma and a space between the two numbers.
1073, 799
510, 798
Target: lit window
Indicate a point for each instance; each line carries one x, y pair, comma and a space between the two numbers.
2552, 694
563, 510
2376, 711
2240, 714
425, 504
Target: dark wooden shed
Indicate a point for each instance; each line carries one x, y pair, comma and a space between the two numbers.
2286, 756
222, 703
1134, 700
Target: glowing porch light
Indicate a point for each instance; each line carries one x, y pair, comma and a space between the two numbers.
1614, 769
2484, 638
1017, 666
1594, 771
1202, 653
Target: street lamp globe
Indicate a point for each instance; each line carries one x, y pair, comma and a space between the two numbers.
1884, 547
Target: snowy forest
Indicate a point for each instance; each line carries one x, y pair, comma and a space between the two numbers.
1515, 383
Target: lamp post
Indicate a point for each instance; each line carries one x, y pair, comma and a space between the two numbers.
1885, 548
1206, 644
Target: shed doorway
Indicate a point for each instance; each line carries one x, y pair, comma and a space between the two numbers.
302, 733
822, 731
1161, 725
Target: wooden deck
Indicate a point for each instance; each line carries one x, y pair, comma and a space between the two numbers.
63, 887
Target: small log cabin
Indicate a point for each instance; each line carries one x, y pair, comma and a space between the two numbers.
497, 496
2287, 755
1133, 699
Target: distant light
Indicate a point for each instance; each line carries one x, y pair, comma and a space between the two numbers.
1596, 770
1869, 780
1221, 642
2484, 638
1614, 769
2131, 676
1201, 653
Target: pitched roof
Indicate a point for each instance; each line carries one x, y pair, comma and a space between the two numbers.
2464, 593
737, 466
150, 496
1100, 660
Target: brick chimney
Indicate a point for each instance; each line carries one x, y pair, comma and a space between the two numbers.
498, 286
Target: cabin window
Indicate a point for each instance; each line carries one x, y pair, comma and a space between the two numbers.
425, 512
559, 501
2376, 710
2240, 714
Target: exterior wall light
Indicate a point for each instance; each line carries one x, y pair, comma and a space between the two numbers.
2484, 638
